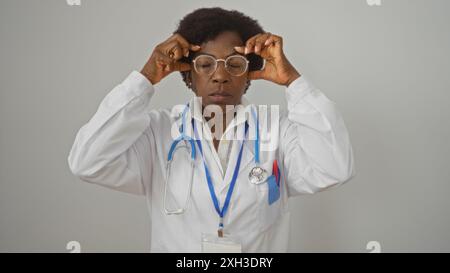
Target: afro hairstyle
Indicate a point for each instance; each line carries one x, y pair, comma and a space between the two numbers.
205, 24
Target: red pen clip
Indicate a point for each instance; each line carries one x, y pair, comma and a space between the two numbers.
276, 172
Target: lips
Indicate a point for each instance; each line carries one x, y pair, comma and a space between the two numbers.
219, 97
220, 94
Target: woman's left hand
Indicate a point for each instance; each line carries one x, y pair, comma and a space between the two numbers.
270, 47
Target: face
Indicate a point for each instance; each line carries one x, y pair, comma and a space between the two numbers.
220, 88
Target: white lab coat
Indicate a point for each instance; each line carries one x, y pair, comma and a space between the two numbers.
125, 145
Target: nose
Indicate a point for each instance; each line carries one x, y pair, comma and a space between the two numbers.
221, 74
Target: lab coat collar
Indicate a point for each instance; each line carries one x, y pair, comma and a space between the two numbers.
243, 114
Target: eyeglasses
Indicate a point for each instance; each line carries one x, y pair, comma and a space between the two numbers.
236, 65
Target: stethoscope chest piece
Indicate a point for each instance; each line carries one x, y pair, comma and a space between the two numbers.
257, 175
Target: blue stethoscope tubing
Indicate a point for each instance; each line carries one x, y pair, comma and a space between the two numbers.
183, 137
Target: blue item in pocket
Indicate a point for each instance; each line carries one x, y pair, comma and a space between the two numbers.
274, 189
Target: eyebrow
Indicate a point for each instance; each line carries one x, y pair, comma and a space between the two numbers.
234, 53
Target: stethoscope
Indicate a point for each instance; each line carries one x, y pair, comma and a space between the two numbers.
257, 174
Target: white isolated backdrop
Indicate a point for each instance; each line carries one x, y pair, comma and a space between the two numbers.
385, 66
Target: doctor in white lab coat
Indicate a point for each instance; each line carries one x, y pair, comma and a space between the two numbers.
125, 147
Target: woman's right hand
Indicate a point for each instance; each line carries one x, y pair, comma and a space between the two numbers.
165, 56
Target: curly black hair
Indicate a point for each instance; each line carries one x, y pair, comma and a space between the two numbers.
205, 24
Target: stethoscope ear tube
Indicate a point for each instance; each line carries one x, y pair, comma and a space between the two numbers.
172, 151
174, 146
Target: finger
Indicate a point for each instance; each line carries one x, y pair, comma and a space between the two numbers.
185, 50
170, 65
273, 40
163, 61
256, 75
240, 49
250, 44
163, 58
259, 42
180, 66
194, 47
167, 48
175, 51
180, 39
184, 44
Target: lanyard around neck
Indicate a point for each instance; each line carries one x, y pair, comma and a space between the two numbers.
255, 118
220, 212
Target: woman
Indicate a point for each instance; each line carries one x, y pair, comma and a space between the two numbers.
226, 190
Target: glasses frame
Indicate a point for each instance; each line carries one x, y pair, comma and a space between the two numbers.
224, 62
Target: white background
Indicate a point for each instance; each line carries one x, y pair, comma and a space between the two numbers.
387, 68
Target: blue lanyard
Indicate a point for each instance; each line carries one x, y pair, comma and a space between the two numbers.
224, 209
257, 138
255, 117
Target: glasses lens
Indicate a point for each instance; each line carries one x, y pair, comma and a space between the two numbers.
236, 65
205, 64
